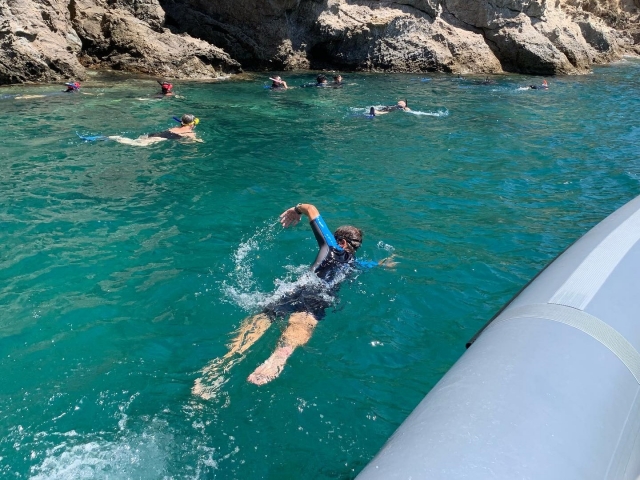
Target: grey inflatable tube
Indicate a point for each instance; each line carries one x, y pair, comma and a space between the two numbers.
550, 389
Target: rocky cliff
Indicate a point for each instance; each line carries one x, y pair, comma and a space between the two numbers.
45, 40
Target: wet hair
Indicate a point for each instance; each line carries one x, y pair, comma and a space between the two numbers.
187, 119
352, 235
321, 78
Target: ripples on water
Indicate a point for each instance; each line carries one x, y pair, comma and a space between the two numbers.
124, 269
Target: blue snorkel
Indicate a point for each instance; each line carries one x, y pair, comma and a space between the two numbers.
177, 119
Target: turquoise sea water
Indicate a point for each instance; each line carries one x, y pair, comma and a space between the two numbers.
124, 269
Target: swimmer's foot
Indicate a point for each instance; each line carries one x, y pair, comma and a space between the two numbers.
212, 380
272, 366
208, 390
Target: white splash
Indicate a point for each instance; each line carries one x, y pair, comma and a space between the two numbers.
441, 112
241, 287
385, 246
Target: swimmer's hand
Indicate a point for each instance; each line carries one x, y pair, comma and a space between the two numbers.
289, 217
388, 262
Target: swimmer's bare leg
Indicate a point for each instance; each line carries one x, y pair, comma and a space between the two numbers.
141, 141
297, 333
250, 330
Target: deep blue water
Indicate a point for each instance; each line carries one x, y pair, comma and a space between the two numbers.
123, 270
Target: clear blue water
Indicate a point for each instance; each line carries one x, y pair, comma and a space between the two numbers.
124, 270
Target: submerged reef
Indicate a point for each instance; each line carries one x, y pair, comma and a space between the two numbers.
59, 39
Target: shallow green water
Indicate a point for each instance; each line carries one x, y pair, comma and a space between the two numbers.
123, 269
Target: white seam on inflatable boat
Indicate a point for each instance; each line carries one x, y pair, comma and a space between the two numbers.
592, 326
586, 280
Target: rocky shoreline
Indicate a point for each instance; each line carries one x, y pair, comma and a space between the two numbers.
199, 39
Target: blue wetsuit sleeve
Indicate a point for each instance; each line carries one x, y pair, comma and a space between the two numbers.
322, 233
366, 263
324, 238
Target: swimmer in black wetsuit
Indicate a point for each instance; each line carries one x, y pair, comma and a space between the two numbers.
304, 306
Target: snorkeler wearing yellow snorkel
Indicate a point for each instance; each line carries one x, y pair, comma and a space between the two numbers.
185, 131
187, 123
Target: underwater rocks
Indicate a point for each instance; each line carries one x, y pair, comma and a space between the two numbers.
57, 39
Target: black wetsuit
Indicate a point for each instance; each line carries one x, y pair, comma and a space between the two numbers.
390, 108
166, 134
332, 265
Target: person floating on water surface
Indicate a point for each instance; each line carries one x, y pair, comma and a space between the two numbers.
486, 81
185, 131
544, 86
321, 81
304, 306
278, 83
401, 105
166, 88
188, 123
72, 87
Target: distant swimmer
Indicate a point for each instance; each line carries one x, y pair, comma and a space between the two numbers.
337, 81
401, 105
278, 83
544, 86
321, 81
303, 306
72, 87
185, 131
486, 81
166, 89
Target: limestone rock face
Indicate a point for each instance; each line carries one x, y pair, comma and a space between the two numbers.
482, 36
46, 40
114, 37
55, 40
37, 44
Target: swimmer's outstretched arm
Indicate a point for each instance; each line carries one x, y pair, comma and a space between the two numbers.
292, 215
